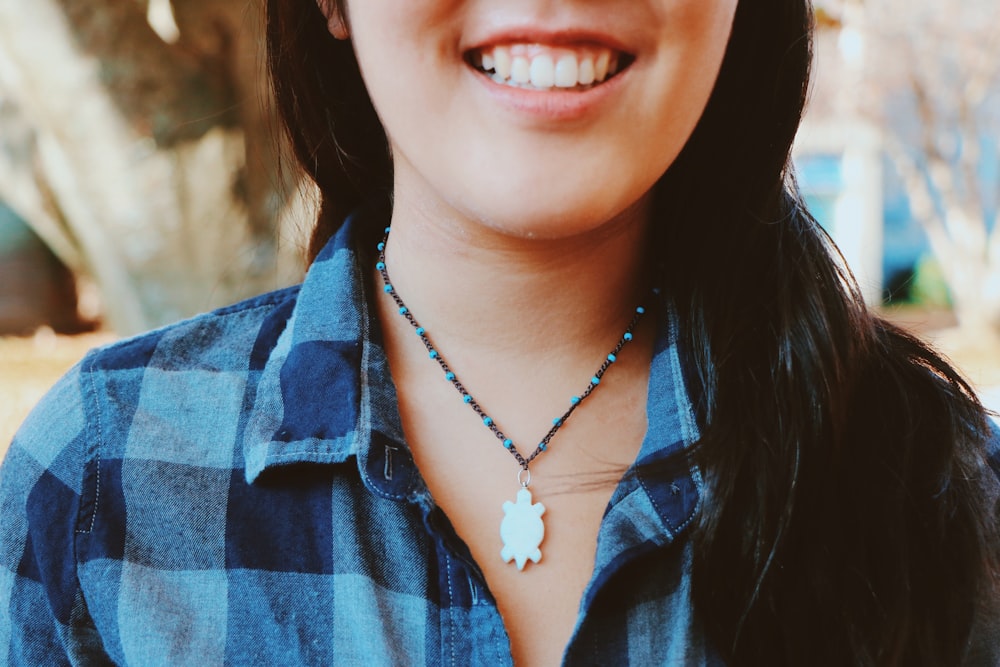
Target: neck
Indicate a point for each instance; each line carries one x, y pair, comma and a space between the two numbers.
478, 290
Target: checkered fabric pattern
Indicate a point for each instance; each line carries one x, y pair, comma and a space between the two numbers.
235, 489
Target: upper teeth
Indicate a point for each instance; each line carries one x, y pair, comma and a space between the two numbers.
544, 68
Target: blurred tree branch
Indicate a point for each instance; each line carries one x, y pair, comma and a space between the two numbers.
151, 165
931, 82
170, 92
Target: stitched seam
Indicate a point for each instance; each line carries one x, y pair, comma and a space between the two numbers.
451, 609
316, 457
656, 506
362, 428
681, 399
690, 518
97, 449
91, 372
681, 394
498, 645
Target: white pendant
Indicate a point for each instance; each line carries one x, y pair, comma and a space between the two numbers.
522, 530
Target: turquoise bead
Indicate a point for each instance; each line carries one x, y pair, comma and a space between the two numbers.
542, 446
640, 310
574, 400
508, 443
433, 354
595, 380
467, 398
627, 336
386, 230
612, 358
488, 421
403, 310
387, 289
449, 376
381, 246
380, 266
421, 331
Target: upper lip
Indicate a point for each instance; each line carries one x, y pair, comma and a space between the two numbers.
568, 36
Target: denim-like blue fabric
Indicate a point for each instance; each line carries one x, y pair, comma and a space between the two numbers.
235, 489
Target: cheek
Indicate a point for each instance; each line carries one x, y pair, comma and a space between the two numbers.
406, 51
404, 28
694, 47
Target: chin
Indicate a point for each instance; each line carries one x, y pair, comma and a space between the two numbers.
545, 218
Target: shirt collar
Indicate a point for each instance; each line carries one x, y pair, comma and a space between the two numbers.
323, 393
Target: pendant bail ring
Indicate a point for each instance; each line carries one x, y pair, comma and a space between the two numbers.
521, 479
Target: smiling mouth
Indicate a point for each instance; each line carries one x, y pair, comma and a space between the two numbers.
548, 68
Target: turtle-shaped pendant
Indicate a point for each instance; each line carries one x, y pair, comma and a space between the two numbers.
522, 530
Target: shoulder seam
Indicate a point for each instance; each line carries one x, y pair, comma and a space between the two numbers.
92, 445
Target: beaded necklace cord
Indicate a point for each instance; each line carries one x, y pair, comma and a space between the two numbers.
522, 529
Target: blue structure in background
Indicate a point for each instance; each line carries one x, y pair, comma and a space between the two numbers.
819, 180
904, 242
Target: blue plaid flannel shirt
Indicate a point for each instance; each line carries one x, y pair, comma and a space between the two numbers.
236, 489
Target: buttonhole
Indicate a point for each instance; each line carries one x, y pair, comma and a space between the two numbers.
387, 471
473, 589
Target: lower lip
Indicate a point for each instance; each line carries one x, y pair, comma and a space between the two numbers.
555, 105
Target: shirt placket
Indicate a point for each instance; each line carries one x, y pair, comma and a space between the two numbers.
469, 628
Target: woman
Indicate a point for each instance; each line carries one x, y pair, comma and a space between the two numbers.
649, 420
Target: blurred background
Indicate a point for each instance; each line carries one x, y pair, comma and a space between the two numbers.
142, 179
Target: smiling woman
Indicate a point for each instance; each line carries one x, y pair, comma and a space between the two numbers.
574, 377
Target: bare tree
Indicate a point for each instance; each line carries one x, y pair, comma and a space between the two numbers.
931, 81
147, 163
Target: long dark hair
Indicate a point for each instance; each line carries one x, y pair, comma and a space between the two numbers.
849, 513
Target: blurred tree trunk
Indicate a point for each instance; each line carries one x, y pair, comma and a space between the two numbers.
149, 165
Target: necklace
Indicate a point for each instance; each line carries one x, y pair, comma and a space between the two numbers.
521, 529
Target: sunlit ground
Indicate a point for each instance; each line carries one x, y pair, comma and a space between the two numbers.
29, 366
